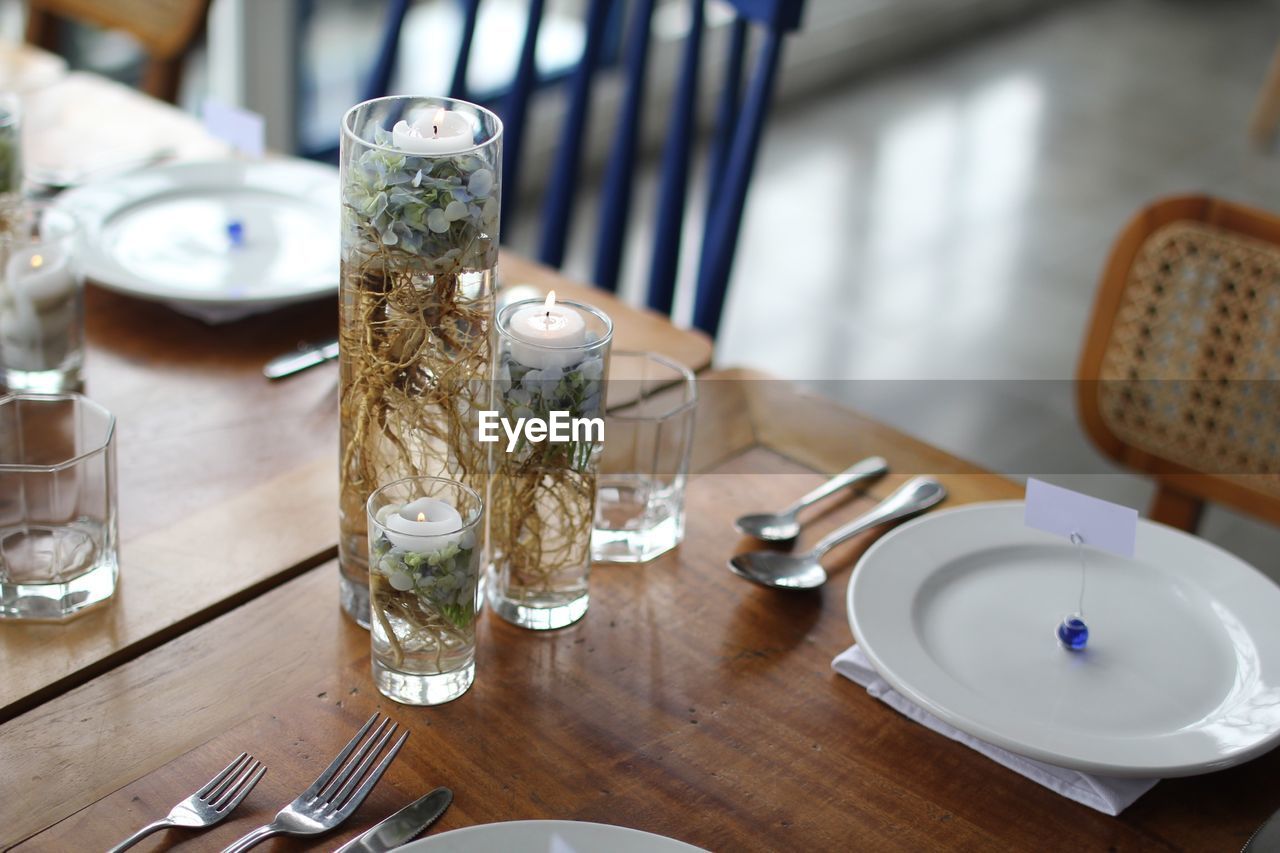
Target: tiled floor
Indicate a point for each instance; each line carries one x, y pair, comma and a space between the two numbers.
947, 220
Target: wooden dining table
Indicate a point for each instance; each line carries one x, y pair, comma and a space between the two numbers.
687, 702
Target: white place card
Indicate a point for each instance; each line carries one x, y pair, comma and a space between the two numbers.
244, 130
1101, 524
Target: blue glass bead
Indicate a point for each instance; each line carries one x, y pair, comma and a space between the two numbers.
235, 233
1073, 633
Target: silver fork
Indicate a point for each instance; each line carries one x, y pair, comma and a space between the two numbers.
337, 792
211, 803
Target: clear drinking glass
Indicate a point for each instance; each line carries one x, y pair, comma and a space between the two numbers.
57, 505
542, 494
41, 300
424, 570
648, 439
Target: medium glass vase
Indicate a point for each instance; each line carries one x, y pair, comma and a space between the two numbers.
543, 493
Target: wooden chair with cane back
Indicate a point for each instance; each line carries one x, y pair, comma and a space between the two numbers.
166, 29
1180, 374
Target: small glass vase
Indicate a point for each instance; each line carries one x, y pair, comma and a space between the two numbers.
542, 494
419, 250
41, 299
424, 572
10, 145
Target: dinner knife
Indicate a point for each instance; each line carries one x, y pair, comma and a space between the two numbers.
294, 362
402, 826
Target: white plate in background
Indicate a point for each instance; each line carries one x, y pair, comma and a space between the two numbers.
163, 233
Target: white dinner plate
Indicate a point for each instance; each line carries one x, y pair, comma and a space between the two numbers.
547, 836
164, 233
1181, 675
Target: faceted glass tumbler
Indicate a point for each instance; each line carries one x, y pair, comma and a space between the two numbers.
425, 545
648, 439
57, 506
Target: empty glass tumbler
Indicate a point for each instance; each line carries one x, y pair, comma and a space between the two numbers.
648, 439
57, 506
424, 572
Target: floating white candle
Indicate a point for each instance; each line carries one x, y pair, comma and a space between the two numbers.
38, 308
424, 526
446, 132
547, 335
41, 277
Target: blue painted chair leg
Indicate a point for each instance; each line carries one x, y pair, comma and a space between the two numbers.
470, 14
673, 189
558, 208
722, 233
513, 116
379, 81
615, 209
726, 110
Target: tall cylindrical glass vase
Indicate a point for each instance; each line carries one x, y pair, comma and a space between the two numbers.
420, 219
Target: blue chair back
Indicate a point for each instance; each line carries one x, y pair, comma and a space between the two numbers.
739, 122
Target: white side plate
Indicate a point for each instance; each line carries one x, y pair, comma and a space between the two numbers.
958, 611
163, 233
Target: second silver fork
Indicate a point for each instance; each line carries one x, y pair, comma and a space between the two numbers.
337, 792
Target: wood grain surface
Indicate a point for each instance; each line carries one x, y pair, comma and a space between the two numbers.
688, 702
227, 482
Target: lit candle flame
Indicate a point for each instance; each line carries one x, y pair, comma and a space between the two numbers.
422, 516
437, 121
550, 303
37, 261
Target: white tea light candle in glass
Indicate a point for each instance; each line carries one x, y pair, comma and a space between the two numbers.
41, 303
441, 132
552, 358
547, 334
424, 570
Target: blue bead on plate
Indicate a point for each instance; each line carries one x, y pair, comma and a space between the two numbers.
235, 233
1073, 633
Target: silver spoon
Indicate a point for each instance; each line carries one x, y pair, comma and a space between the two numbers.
782, 526
803, 571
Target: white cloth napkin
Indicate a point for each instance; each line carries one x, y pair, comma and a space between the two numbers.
1105, 793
